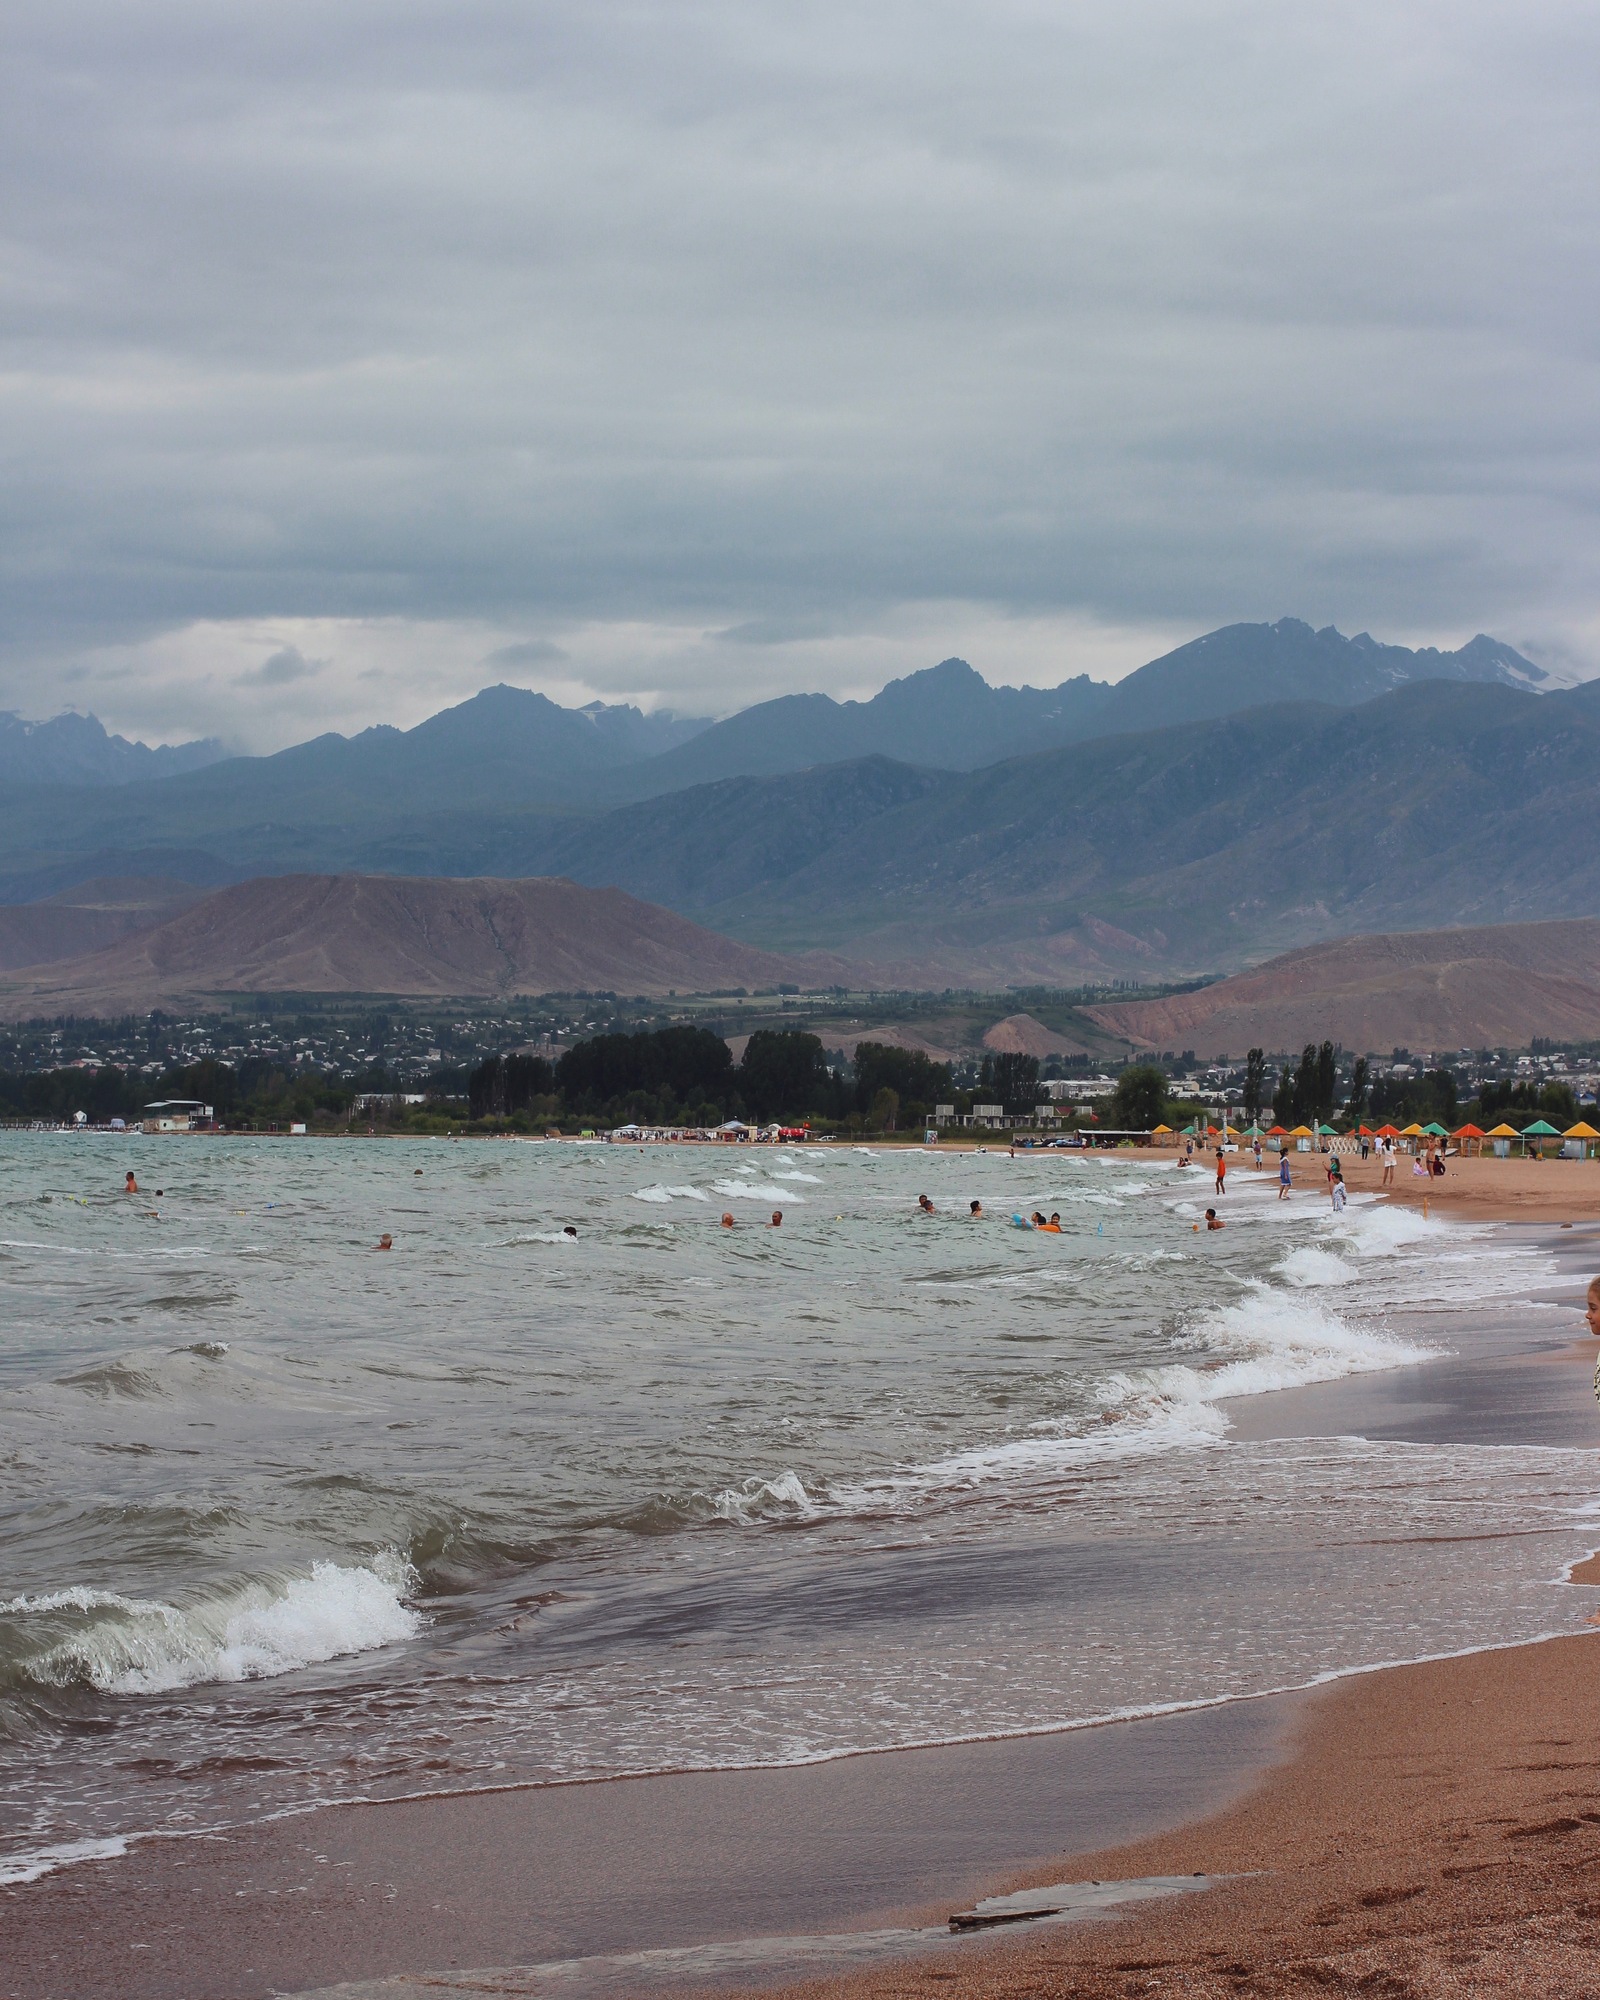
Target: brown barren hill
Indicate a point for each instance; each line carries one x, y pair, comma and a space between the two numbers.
427, 936
1492, 986
84, 918
1022, 1035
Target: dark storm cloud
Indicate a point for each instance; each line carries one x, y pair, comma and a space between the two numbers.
782, 319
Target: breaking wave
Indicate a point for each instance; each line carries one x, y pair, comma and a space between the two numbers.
132, 1646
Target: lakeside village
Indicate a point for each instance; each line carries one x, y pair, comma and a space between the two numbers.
395, 1073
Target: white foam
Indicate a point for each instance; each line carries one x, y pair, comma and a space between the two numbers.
1310, 1266
1268, 1341
759, 1498
756, 1191
651, 1194
29, 1865
254, 1633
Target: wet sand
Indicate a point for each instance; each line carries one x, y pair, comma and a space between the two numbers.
540, 1873
1422, 1830
1437, 1834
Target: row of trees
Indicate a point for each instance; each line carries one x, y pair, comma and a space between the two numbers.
687, 1076
253, 1092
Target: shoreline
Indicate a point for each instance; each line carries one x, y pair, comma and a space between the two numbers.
145, 1903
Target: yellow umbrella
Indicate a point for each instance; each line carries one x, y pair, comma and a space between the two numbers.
1580, 1131
1411, 1131
1503, 1132
1302, 1132
1156, 1134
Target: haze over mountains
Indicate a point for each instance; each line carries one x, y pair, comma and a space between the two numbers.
77, 750
1258, 789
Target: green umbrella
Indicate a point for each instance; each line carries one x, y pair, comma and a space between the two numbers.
1540, 1130
1436, 1132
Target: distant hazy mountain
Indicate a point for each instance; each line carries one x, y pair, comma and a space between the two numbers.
1198, 847
1246, 666
947, 717
76, 750
510, 782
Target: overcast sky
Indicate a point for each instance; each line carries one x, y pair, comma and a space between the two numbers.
355, 355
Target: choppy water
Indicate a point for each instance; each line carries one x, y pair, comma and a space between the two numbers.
287, 1521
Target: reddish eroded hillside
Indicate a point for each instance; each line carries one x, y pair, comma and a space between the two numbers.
404, 935
1490, 986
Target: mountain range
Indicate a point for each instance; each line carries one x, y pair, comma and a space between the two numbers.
944, 832
74, 749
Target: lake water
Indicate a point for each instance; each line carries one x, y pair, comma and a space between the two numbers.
287, 1521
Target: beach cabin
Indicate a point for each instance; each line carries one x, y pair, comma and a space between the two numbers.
1538, 1132
176, 1114
1578, 1141
1500, 1137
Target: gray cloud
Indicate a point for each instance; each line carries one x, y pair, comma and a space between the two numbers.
281, 669
790, 319
527, 653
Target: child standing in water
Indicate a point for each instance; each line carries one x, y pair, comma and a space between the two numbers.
1284, 1178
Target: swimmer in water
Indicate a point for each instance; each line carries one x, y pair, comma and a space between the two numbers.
385, 1241
1213, 1220
777, 1219
924, 1204
727, 1222
570, 1231
975, 1210
1052, 1227
130, 1185
1038, 1220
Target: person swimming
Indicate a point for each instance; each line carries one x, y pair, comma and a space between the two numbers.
1037, 1220
1213, 1220
975, 1209
568, 1230
1052, 1227
777, 1219
727, 1221
130, 1185
924, 1204
384, 1242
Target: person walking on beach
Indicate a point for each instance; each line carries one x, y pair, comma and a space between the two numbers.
1285, 1179
1222, 1170
1388, 1163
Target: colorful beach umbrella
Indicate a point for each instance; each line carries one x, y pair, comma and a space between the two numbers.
1540, 1130
1503, 1131
1387, 1132
1435, 1132
1580, 1131
1411, 1131
1468, 1131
